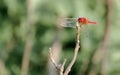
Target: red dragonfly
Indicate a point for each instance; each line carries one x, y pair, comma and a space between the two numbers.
71, 22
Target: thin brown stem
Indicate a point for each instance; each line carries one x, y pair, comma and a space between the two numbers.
75, 51
51, 58
56, 48
60, 67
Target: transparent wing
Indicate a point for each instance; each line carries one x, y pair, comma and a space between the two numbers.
68, 22
85, 30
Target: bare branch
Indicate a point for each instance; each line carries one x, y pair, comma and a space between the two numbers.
62, 67
59, 67
51, 58
75, 51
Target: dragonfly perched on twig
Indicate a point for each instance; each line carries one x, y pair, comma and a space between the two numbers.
71, 22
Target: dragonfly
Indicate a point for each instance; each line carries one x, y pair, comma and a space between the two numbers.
72, 22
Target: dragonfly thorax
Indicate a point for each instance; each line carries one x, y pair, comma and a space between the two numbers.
82, 20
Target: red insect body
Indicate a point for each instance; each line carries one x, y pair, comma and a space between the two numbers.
85, 21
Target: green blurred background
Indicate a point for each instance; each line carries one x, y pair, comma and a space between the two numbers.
28, 29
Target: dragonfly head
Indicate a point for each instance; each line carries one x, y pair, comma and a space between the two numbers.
82, 20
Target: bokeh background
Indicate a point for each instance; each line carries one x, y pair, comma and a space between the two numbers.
28, 28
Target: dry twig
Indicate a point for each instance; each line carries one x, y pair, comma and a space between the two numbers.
60, 67
56, 48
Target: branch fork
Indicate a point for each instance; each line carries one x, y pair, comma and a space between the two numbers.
60, 67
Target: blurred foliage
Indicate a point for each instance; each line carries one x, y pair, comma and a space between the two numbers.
13, 28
